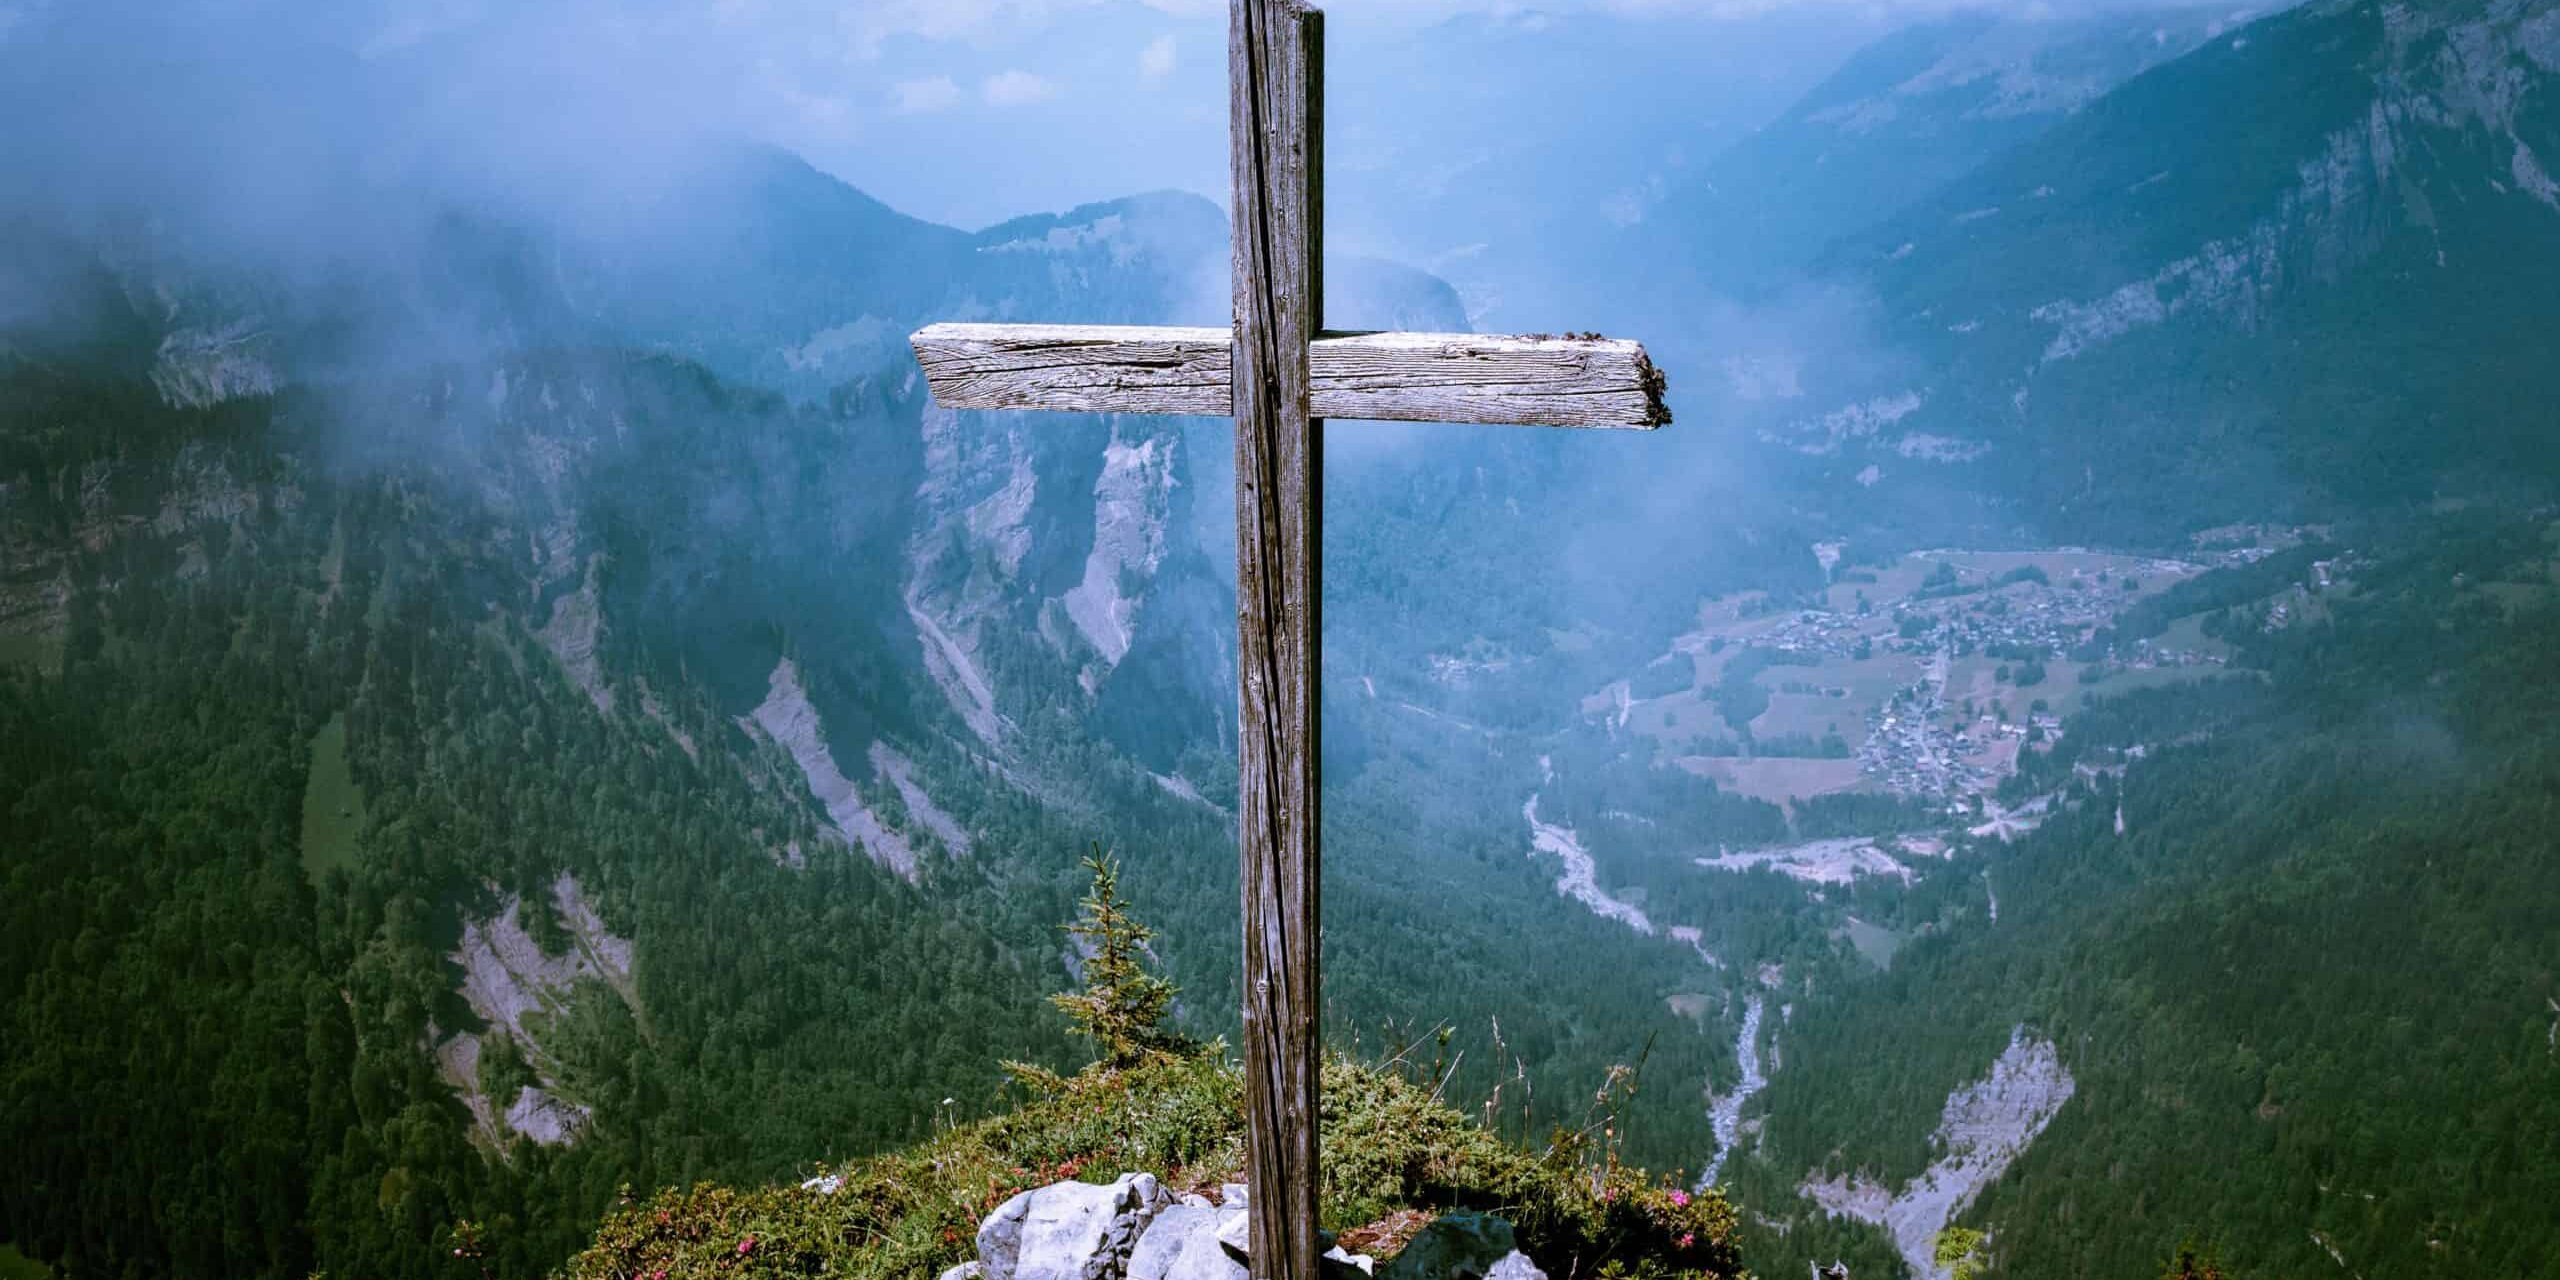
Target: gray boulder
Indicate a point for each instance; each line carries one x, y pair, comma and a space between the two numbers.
1069, 1230
1459, 1245
1234, 1236
965, 1271
1183, 1244
1515, 1265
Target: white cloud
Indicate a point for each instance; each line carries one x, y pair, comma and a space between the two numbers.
1155, 62
930, 94
1016, 88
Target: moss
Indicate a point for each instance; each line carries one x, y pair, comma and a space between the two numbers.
1389, 1147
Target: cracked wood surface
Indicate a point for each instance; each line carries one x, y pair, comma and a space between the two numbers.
1525, 380
1275, 66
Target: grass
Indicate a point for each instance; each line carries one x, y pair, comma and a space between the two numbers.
18, 1266
1775, 779
2188, 633
1390, 1146
2068, 696
1811, 714
332, 804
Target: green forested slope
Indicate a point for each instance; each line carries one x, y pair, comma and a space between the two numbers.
2305, 995
218, 1063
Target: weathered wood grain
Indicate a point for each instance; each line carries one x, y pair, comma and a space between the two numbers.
1275, 52
1522, 380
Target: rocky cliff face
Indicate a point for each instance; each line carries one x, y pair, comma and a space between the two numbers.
787, 720
516, 988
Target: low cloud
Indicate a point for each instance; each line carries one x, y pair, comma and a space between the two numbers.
927, 95
1156, 61
1016, 88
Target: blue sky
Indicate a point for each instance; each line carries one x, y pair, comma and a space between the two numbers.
962, 111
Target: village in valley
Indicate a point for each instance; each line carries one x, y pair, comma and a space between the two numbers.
1923, 680
1910, 689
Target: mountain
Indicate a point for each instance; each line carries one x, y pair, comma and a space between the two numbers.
2294, 272
510, 703
2270, 929
472, 746
1906, 115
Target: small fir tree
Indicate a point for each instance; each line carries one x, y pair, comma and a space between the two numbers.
1122, 1006
1959, 1250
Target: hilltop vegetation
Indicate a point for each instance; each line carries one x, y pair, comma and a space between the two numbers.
220, 1044
1393, 1152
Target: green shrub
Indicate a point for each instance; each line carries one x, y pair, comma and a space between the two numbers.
1161, 1105
1388, 1145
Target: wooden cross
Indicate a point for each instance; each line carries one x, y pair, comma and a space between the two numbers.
1279, 376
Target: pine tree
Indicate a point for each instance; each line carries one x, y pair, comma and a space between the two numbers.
1122, 1006
1959, 1250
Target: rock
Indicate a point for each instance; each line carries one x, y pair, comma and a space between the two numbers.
1069, 1230
1515, 1265
1459, 1245
965, 1271
1233, 1234
1198, 1201
1183, 1243
1235, 1231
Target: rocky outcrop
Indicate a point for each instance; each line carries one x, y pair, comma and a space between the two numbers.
975, 500
1985, 1127
1069, 1230
571, 633
788, 720
1131, 503
511, 984
1185, 1244
1133, 1229
199, 368
988, 485
901, 773
548, 1120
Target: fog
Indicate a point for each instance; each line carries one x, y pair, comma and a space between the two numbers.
1571, 167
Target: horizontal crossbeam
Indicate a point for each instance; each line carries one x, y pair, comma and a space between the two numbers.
1534, 380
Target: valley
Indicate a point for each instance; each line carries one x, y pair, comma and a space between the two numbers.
1938, 694
2056, 742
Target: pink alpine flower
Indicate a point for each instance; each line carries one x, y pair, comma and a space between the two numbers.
747, 1245
1688, 1238
1680, 1198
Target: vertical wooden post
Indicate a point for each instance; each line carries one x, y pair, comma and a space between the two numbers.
1275, 73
